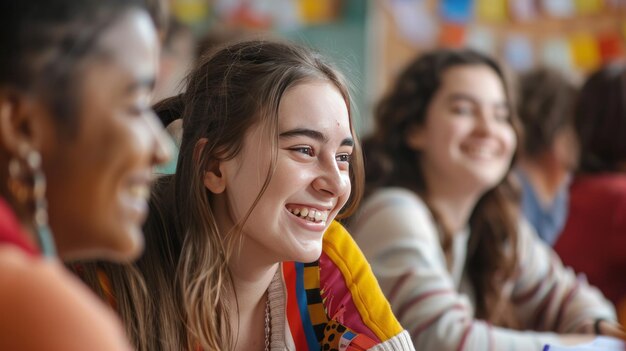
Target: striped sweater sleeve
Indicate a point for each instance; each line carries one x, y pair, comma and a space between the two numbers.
398, 237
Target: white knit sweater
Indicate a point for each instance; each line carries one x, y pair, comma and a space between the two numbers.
397, 234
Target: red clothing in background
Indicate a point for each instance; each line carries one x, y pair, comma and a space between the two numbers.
594, 239
11, 232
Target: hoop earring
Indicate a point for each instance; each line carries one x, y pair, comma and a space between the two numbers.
27, 183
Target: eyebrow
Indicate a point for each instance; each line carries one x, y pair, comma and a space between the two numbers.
141, 83
313, 134
462, 96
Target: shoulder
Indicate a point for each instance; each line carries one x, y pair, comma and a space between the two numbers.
600, 197
391, 215
46, 300
603, 186
394, 196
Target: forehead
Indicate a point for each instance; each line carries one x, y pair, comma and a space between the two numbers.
314, 104
131, 43
474, 79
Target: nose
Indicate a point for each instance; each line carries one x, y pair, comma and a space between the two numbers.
163, 145
331, 180
486, 122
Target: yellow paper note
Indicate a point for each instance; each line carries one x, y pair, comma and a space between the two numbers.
317, 11
585, 51
190, 11
492, 10
588, 7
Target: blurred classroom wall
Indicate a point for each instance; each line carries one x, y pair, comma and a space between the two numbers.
371, 40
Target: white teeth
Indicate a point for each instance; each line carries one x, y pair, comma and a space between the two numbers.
479, 151
310, 214
139, 191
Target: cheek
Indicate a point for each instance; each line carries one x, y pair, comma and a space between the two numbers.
348, 185
510, 140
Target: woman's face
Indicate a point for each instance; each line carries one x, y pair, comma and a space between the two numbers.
311, 182
467, 141
98, 180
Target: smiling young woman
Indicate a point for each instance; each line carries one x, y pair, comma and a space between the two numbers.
242, 249
440, 224
77, 144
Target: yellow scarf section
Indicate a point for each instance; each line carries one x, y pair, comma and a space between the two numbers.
366, 293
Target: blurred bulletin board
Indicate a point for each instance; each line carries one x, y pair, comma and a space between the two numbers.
336, 28
573, 35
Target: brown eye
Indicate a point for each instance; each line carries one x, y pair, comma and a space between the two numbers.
344, 158
462, 110
304, 150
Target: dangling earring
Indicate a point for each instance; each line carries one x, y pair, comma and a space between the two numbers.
27, 183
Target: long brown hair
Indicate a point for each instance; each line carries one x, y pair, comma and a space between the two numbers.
174, 297
491, 257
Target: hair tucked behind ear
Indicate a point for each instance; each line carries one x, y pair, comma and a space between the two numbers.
183, 279
491, 257
170, 109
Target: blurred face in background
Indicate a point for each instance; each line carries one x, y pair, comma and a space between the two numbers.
98, 179
467, 141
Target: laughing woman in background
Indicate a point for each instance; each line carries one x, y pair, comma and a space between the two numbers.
441, 224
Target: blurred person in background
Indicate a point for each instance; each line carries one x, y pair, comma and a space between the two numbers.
549, 149
594, 239
78, 141
441, 224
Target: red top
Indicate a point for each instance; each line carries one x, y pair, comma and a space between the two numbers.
594, 239
11, 232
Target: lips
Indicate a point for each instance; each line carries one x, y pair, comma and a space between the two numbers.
484, 152
139, 191
135, 196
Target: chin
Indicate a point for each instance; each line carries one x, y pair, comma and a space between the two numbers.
310, 255
132, 248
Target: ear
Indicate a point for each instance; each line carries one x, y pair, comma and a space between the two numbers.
16, 123
213, 178
415, 138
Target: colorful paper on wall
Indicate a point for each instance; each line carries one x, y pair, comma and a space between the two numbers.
556, 53
492, 10
317, 11
414, 21
190, 11
558, 8
523, 10
459, 11
588, 7
518, 52
481, 39
611, 46
585, 51
452, 35
285, 14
